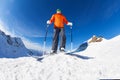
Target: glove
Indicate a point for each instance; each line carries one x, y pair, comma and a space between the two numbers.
48, 22
69, 24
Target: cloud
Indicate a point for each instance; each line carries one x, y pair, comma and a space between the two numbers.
31, 45
11, 1
20, 28
5, 29
28, 43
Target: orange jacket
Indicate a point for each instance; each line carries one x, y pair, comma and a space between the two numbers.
58, 20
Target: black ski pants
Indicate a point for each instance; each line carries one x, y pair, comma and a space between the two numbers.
57, 32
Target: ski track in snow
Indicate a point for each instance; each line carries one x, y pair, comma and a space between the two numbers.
104, 64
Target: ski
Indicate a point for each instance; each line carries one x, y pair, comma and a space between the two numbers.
36, 57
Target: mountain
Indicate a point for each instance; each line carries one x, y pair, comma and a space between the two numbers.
12, 47
99, 61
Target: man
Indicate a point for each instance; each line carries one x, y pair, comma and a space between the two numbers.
59, 21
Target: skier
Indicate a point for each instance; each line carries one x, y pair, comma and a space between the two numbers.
59, 19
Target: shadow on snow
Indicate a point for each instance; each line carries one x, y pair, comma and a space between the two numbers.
81, 56
82, 47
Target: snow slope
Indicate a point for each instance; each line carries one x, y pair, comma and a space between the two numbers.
99, 61
11, 47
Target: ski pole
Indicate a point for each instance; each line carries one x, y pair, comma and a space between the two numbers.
44, 44
71, 37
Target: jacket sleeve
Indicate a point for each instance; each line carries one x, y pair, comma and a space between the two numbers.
65, 20
52, 18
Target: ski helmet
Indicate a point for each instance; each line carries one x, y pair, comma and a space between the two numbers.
58, 10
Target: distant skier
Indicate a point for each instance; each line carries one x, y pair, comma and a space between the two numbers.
59, 21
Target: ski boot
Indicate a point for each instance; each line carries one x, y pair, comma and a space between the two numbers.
53, 52
62, 50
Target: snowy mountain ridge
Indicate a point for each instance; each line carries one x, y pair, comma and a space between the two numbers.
12, 47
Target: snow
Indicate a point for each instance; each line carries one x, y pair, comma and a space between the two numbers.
99, 61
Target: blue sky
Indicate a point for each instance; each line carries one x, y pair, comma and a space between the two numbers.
27, 18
